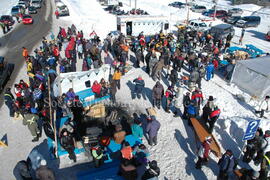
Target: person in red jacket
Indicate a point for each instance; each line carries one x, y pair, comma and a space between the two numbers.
213, 118
96, 88
23, 84
56, 14
169, 94
215, 62
56, 52
204, 152
197, 96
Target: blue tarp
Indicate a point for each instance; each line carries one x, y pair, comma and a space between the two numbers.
105, 172
87, 93
60, 150
132, 140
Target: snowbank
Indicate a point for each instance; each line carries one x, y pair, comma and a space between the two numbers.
88, 16
6, 6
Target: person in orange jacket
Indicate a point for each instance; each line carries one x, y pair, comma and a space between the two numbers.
25, 53
116, 77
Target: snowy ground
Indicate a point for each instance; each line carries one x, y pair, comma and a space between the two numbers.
6, 6
176, 149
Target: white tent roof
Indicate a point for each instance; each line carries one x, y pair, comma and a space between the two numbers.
260, 65
253, 76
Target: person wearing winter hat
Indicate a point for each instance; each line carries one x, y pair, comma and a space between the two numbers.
264, 106
207, 109
227, 165
43, 172
152, 172
204, 151
264, 149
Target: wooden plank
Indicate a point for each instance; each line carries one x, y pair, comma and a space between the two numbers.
202, 133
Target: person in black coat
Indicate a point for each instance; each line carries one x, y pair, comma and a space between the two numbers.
186, 102
253, 146
68, 143
9, 101
77, 110
173, 77
152, 171
147, 59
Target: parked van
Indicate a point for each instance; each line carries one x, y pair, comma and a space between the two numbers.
198, 9
249, 21
222, 30
62, 9
36, 3
197, 25
134, 25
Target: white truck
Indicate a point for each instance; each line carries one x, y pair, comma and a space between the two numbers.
133, 25
62, 9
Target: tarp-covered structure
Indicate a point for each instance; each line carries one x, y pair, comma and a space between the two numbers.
80, 81
253, 76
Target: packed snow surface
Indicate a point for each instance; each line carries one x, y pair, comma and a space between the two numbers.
176, 151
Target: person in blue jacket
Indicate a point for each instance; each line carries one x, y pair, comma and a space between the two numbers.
227, 165
139, 85
210, 71
191, 111
136, 129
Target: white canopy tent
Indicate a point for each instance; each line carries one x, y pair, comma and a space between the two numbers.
78, 80
253, 76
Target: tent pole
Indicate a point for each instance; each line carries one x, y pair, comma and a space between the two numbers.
52, 116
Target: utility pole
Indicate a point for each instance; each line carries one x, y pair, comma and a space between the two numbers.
135, 5
187, 11
215, 8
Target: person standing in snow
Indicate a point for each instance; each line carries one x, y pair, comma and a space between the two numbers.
173, 77
152, 129
169, 94
178, 100
116, 77
157, 94
253, 146
9, 101
210, 71
139, 85
213, 118
264, 106
227, 165
242, 36
204, 152
264, 149
207, 109
186, 103
43, 172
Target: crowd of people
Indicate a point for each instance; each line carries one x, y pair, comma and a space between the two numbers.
199, 54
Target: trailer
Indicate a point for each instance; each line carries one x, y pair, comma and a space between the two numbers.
133, 25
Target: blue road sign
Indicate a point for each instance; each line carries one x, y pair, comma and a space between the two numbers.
251, 129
